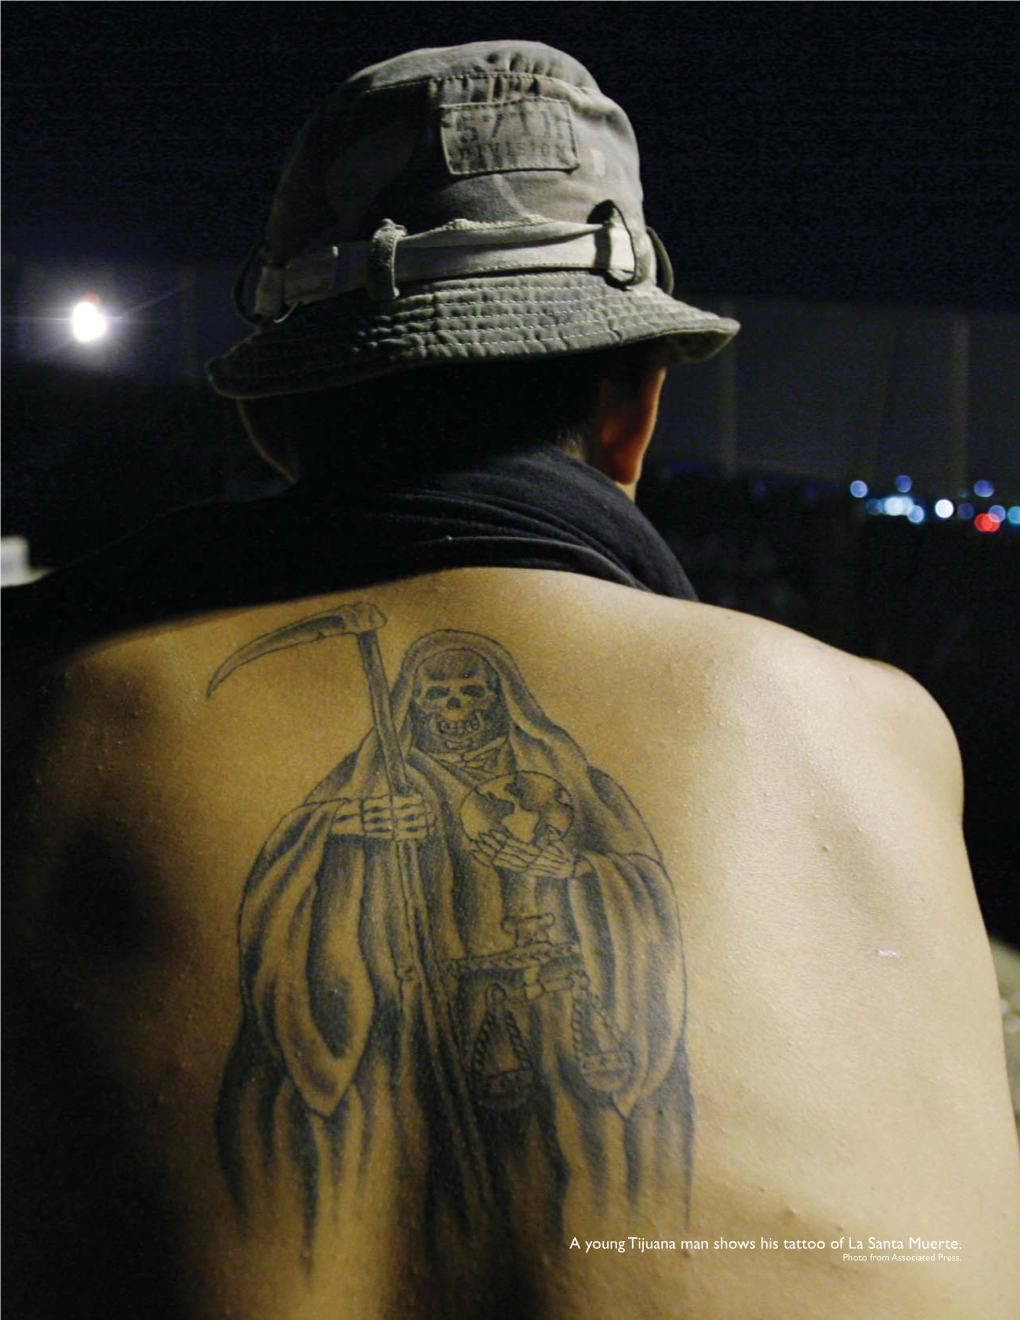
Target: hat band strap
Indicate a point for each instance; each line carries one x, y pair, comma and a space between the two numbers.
458, 250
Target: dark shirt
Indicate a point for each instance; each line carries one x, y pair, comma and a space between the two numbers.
542, 509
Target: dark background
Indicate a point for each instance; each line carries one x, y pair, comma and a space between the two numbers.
810, 164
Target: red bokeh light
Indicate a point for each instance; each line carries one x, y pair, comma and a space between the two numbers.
986, 522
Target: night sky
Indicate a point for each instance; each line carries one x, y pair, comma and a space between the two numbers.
859, 151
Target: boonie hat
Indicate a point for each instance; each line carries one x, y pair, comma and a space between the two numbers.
464, 204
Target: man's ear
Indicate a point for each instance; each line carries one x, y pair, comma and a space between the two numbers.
625, 419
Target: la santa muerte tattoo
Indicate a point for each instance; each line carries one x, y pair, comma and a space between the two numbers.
460, 962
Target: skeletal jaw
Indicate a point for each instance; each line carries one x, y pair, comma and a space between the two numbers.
469, 724
455, 733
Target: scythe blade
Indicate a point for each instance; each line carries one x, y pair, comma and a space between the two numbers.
339, 621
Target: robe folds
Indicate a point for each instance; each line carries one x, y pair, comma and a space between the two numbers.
331, 1084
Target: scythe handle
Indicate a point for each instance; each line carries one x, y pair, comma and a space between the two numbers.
439, 1023
382, 713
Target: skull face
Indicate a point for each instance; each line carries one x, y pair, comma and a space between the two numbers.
457, 701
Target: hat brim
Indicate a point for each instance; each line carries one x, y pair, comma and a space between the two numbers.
342, 340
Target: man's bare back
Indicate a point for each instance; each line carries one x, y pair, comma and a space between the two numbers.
705, 957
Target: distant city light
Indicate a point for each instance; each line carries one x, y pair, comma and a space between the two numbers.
903, 505
984, 489
903, 484
87, 322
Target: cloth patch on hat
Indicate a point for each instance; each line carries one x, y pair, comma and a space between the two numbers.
492, 137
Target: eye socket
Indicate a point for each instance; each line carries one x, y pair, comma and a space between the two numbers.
474, 690
434, 693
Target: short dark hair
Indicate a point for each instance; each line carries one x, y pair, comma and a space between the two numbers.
443, 416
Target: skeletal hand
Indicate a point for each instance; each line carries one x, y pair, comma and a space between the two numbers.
396, 818
502, 850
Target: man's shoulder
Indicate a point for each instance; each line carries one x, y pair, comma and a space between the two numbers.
816, 695
785, 656
806, 690
782, 655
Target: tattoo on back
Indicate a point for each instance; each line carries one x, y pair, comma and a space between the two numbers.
461, 968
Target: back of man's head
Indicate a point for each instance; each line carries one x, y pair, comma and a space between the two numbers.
416, 422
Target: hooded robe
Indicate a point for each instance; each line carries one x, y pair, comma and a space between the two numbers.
333, 1054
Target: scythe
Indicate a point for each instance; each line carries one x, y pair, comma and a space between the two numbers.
362, 620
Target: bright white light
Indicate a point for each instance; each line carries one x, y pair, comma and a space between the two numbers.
916, 514
903, 484
858, 489
898, 505
984, 489
87, 322
944, 508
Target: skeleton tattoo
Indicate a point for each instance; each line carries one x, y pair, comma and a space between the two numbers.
464, 945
